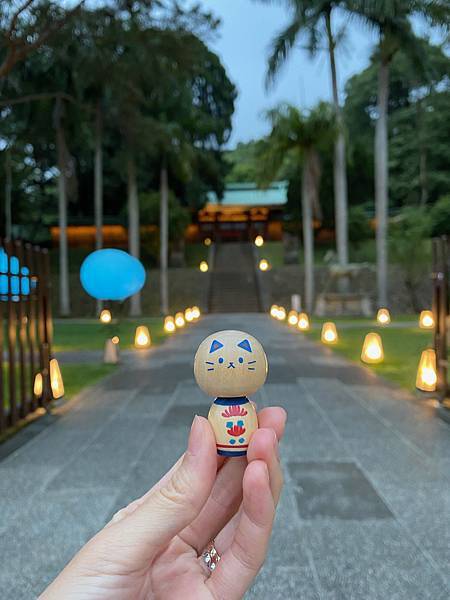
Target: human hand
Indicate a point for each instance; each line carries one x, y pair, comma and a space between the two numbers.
152, 548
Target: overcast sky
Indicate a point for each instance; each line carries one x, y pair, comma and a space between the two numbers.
243, 41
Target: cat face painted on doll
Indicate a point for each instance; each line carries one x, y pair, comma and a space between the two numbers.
230, 364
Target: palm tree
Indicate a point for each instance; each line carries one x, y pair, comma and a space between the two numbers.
299, 137
391, 20
314, 18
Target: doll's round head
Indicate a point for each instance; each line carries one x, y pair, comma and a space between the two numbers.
229, 364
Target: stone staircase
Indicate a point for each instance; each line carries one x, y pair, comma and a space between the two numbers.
233, 280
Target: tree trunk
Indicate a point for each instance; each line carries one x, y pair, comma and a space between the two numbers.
308, 233
98, 184
381, 184
8, 194
164, 239
423, 177
61, 148
133, 229
339, 164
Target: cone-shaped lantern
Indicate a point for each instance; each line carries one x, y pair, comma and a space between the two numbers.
38, 385
142, 337
259, 241
426, 373
111, 351
293, 317
426, 320
372, 350
169, 324
207, 241
179, 319
188, 316
303, 322
105, 316
196, 312
274, 311
203, 266
329, 333
56, 380
383, 316
281, 313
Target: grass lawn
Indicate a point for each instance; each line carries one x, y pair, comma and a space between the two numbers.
402, 349
91, 335
273, 252
77, 376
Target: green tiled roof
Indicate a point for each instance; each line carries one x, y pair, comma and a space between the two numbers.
248, 194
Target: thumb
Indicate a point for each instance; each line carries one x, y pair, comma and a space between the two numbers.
169, 508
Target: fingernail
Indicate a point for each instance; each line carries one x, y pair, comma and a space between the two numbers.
195, 437
276, 446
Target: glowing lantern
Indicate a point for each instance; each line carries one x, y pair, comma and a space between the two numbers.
179, 319
105, 316
303, 322
292, 317
196, 312
115, 340
274, 311
142, 337
259, 241
56, 380
281, 313
263, 265
426, 373
383, 316
329, 333
426, 319
372, 350
169, 324
38, 385
207, 242
204, 266
189, 317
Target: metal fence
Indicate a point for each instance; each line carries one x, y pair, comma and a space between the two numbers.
25, 330
441, 283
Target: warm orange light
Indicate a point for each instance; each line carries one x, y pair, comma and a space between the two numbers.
189, 317
259, 241
56, 380
207, 242
274, 311
38, 385
281, 315
203, 266
179, 319
142, 337
105, 316
115, 340
383, 316
329, 333
426, 373
263, 265
196, 312
426, 319
372, 350
303, 322
293, 317
169, 324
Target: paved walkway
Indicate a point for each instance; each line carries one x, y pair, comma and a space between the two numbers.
365, 513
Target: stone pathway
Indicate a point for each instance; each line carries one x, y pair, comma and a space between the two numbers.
365, 514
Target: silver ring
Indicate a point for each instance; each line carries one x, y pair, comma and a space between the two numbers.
210, 556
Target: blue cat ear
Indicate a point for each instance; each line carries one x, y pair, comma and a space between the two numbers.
215, 345
245, 345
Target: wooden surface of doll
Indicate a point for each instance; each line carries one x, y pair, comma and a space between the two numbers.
231, 365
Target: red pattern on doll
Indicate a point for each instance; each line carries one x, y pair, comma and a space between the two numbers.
234, 411
236, 430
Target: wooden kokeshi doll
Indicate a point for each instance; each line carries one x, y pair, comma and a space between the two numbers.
231, 365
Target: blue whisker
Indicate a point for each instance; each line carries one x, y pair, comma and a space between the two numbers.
211, 369
208, 362
251, 368
250, 362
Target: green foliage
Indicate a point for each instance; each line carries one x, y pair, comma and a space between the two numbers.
358, 225
440, 217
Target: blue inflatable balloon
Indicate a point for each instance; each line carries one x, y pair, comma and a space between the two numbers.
111, 274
